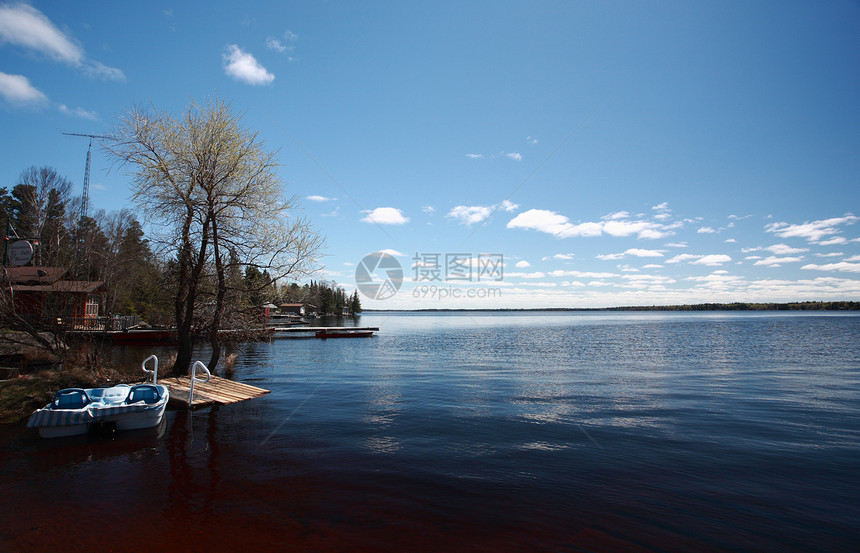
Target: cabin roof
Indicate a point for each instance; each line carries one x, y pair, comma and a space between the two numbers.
35, 275
49, 279
64, 286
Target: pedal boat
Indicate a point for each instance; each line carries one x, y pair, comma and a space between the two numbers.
75, 411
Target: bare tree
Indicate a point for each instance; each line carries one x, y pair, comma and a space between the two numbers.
40, 200
215, 191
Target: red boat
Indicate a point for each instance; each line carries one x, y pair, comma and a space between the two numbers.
343, 333
143, 336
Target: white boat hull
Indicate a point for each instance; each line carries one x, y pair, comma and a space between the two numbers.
63, 431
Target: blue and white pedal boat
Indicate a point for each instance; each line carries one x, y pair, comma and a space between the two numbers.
75, 411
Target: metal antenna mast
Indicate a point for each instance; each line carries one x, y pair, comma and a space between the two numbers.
85, 198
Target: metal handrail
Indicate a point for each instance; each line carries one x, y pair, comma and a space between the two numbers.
195, 379
154, 371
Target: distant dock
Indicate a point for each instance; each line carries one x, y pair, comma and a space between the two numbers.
312, 330
217, 391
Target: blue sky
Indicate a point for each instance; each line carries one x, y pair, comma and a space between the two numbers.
600, 153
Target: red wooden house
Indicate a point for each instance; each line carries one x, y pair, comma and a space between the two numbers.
47, 293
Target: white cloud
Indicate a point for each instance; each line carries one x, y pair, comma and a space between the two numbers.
96, 69
278, 45
553, 223
650, 279
774, 261
812, 232
718, 280
514, 156
536, 274
315, 198
643, 229
663, 211
833, 241
385, 216
644, 253
784, 249
27, 27
563, 256
17, 90
560, 226
24, 25
471, 214
475, 156
393, 253
843, 266
635, 252
275, 44
429, 209
244, 67
523, 264
581, 274
706, 230
531, 140
78, 112
710, 260
617, 215
681, 258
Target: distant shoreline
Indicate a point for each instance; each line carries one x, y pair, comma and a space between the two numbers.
738, 306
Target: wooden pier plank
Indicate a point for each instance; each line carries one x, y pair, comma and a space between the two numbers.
217, 390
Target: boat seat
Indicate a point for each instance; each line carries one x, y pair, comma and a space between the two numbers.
71, 398
115, 394
147, 393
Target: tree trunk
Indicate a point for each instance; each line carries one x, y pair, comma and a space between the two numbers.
214, 341
183, 324
185, 305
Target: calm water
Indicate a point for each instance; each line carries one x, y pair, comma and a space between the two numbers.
479, 432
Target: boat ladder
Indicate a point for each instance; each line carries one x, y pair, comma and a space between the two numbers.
154, 371
195, 379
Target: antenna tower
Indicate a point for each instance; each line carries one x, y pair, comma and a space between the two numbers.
85, 197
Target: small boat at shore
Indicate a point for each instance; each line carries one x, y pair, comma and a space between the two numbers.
343, 333
142, 336
76, 411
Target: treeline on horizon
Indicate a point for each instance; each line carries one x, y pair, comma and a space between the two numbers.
736, 306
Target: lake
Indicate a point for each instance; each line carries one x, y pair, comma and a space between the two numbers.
481, 431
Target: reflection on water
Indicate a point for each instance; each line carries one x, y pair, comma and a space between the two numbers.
450, 432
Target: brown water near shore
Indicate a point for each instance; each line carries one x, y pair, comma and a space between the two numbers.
181, 488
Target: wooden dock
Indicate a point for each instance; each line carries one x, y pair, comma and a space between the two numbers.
315, 329
217, 391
